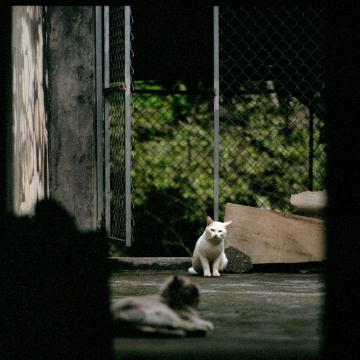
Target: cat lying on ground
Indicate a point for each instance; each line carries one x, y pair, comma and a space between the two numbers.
171, 313
209, 249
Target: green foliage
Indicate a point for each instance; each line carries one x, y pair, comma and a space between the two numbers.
267, 152
264, 158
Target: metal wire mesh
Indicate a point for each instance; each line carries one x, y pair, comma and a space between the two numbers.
271, 130
172, 172
116, 101
117, 120
271, 111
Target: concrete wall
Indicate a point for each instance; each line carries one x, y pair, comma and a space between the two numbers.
72, 142
28, 137
6, 101
52, 140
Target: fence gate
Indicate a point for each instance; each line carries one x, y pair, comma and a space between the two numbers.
174, 156
114, 123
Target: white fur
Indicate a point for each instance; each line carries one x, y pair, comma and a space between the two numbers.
209, 249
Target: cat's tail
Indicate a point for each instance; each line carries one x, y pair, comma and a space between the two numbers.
192, 271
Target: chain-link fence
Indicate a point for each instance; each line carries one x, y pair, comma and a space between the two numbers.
172, 170
271, 111
117, 120
271, 131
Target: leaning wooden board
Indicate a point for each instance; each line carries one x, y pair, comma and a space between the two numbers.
272, 237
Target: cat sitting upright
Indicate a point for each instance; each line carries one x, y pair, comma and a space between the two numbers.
209, 249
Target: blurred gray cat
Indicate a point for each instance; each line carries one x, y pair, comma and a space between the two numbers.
209, 249
171, 313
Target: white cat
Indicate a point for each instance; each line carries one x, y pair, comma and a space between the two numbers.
209, 249
171, 313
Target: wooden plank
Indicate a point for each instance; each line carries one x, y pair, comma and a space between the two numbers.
273, 237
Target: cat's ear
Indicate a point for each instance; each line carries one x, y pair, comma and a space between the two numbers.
227, 223
209, 220
176, 281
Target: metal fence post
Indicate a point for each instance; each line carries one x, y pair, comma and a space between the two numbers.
127, 127
216, 113
99, 119
107, 118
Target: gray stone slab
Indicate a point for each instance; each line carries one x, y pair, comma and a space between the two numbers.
150, 263
238, 262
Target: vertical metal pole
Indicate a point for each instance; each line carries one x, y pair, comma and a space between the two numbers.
99, 120
216, 113
127, 127
311, 150
107, 118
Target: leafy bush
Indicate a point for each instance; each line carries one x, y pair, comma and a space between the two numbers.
264, 158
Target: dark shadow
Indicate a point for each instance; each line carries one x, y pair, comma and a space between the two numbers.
54, 288
342, 311
162, 226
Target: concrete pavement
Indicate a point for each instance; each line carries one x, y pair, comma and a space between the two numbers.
256, 316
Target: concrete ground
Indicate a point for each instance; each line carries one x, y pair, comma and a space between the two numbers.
256, 316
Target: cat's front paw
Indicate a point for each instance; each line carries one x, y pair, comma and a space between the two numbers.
209, 325
205, 325
216, 273
207, 273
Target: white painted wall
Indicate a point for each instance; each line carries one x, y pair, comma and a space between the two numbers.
29, 128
